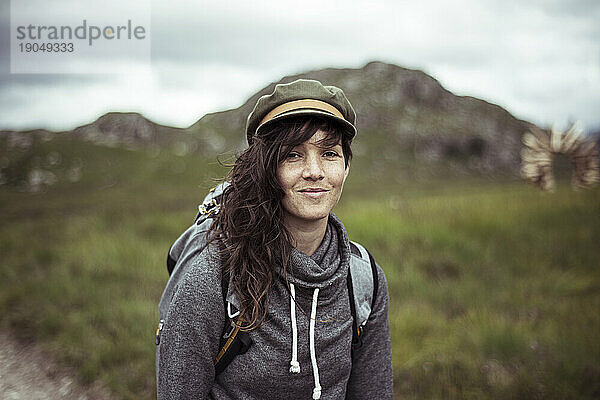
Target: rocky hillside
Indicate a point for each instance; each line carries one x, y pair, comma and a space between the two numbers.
405, 119
129, 129
403, 113
134, 131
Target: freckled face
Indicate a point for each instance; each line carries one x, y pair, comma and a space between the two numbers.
312, 177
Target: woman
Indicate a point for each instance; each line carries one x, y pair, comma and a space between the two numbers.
277, 260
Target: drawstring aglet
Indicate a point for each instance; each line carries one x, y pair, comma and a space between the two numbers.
316, 393
295, 367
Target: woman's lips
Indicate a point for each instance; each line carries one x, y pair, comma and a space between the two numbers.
313, 192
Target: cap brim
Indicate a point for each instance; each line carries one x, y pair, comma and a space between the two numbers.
349, 128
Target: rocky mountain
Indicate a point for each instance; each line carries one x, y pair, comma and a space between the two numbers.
404, 117
129, 129
134, 131
403, 113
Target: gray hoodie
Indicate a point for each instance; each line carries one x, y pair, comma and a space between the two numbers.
196, 317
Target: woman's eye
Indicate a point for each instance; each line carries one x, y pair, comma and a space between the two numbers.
331, 153
293, 155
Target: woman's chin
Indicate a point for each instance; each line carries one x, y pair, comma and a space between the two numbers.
308, 216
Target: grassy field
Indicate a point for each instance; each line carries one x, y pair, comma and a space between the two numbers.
495, 291
495, 288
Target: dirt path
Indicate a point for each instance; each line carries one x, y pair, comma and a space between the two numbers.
27, 373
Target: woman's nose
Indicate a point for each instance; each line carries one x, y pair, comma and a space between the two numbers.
313, 168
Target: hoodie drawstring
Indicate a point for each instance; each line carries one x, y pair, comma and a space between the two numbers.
313, 357
294, 364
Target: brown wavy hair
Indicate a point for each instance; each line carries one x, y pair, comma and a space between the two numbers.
249, 225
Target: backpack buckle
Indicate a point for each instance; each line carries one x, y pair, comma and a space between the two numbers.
226, 335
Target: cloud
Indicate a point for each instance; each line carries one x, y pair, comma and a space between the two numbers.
539, 59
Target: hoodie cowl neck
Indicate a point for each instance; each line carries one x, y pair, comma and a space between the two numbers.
328, 267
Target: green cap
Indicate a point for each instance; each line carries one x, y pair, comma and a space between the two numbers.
301, 97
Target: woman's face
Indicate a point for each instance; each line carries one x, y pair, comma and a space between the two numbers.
312, 177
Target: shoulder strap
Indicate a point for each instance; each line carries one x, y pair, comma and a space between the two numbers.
238, 342
363, 285
234, 340
170, 261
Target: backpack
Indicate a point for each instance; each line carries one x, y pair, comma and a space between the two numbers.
362, 284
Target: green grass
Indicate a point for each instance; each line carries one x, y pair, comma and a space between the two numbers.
495, 288
495, 291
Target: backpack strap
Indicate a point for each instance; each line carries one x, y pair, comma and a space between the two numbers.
236, 341
363, 285
171, 262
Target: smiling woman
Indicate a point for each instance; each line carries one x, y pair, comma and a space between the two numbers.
274, 262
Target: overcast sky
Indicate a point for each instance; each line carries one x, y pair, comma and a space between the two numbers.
539, 59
